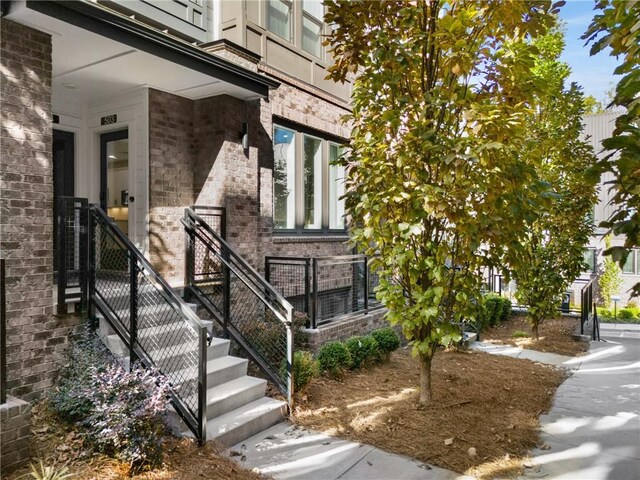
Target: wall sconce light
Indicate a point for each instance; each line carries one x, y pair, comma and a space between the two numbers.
245, 135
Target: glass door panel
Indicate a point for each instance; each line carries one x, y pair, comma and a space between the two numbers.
114, 181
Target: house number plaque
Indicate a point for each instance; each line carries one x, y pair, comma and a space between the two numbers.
109, 119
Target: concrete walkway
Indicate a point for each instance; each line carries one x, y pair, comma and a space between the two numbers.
289, 452
591, 433
593, 429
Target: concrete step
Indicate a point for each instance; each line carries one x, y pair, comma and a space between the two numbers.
245, 421
219, 347
230, 395
220, 370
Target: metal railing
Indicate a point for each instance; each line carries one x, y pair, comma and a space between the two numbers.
325, 288
71, 252
3, 331
588, 311
243, 303
155, 324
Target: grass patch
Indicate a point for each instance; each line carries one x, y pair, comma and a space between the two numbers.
519, 334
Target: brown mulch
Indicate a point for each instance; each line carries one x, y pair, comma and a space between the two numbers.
57, 443
554, 335
487, 402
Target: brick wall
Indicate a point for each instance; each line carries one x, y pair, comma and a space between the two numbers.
15, 434
171, 176
34, 335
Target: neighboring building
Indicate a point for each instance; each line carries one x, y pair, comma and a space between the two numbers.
597, 128
147, 107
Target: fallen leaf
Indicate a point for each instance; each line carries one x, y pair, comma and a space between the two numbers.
448, 441
545, 446
472, 452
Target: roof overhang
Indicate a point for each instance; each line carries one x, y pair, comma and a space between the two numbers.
95, 45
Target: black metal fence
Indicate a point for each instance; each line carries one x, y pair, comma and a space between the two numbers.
3, 331
157, 327
325, 288
589, 312
242, 302
71, 252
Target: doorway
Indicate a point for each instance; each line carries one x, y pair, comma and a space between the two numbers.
114, 177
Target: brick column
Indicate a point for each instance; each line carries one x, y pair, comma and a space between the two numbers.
34, 335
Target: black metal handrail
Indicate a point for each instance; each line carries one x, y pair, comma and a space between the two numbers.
155, 324
243, 303
3, 331
586, 305
325, 288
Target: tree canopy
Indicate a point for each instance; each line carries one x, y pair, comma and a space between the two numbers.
436, 180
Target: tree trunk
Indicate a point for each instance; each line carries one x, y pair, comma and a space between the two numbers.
534, 331
425, 379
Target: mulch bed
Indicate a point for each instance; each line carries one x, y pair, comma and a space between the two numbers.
57, 443
486, 402
555, 335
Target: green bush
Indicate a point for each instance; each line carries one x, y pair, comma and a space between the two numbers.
495, 309
304, 369
388, 341
363, 350
625, 314
604, 312
334, 358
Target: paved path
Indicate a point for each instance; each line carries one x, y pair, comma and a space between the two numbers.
593, 429
289, 452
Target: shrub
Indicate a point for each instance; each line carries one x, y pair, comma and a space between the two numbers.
604, 312
388, 341
519, 334
48, 472
633, 305
363, 350
625, 314
121, 412
334, 357
304, 369
495, 309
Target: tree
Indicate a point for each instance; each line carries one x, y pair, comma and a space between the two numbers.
434, 175
610, 280
550, 256
592, 105
615, 27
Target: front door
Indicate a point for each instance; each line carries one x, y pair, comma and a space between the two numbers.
114, 177
63, 153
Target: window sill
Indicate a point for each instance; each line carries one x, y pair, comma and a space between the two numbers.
288, 238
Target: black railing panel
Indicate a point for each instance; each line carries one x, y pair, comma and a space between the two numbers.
243, 303
325, 288
71, 251
157, 327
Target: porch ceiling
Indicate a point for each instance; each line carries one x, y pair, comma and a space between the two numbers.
88, 66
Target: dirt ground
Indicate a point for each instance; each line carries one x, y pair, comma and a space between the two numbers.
484, 402
55, 443
554, 333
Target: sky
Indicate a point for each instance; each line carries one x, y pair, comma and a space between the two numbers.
595, 74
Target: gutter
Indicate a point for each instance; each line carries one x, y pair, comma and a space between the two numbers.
137, 35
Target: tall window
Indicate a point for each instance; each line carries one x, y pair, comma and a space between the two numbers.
284, 185
306, 188
312, 182
590, 259
312, 14
630, 266
336, 189
279, 18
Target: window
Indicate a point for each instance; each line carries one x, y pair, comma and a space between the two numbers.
312, 14
630, 264
279, 18
590, 259
284, 188
306, 188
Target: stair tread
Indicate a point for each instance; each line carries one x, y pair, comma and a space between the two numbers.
232, 387
220, 363
244, 414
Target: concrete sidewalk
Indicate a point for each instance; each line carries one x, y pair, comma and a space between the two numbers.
533, 355
288, 452
593, 428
